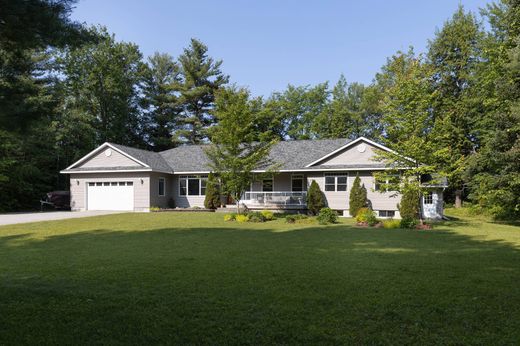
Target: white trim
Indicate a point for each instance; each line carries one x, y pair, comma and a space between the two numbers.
332, 169
335, 181
109, 171
99, 149
380, 146
159, 185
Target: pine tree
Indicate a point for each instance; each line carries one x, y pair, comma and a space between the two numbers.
315, 199
200, 78
160, 101
212, 199
358, 197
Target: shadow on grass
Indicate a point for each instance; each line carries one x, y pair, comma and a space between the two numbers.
335, 284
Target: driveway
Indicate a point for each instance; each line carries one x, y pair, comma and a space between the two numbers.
9, 219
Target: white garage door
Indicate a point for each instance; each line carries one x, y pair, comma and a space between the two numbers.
116, 195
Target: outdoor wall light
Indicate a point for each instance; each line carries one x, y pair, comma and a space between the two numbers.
142, 181
77, 182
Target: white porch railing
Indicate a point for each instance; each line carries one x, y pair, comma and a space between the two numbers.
279, 199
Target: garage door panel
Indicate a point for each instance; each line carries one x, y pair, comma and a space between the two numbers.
110, 196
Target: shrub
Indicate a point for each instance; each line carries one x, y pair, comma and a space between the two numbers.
315, 199
391, 223
154, 208
409, 206
256, 217
242, 218
230, 217
171, 203
366, 215
358, 197
212, 199
327, 216
408, 222
268, 215
300, 218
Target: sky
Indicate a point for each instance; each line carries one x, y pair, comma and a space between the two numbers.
266, 45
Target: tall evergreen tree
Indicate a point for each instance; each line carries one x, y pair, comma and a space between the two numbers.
494, 172
103, 82
161, 101
454, 55
200, 78
358, 197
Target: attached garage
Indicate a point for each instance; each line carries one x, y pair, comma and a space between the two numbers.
110, 195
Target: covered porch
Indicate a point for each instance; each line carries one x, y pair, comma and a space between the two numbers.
281, 191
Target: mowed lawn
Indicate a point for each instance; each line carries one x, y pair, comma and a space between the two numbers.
191, 278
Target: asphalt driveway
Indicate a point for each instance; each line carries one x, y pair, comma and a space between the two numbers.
9, 219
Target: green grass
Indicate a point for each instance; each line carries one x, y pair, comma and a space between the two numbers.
191, 278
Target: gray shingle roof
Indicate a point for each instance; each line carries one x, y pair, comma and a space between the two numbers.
152, 159
289, 154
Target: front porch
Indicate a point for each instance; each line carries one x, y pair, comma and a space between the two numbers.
275, 200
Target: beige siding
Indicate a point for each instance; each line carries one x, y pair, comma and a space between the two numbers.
281, 182
116, 159
340, 200
352, 156
155, 199
78, 188
186, 201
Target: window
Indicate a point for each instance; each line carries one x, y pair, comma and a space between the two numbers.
386, 213
428, 198
297, 182
379, 183
336, 181
161, 186
192, 185
267, 185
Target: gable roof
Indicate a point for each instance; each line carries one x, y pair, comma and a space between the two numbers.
294, 155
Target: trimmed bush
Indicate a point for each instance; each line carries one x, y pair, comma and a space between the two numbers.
268, 215
242, 218
410, 223
366, 216
391, 223
212, 199
256, 216
296, 218
409, 206
315, 198
358, 197
154, 208
230, 217
327, 216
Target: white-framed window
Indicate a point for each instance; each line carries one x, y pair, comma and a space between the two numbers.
336, 181
297, 182
428, 198
386, 213
192, 185
378, 183
267, 184
162, 186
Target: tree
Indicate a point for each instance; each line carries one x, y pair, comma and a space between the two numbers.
454, 55
200, 78
494, 171
212, 199
297, 107
407, 122
236, 151
103, 81
160, 100
358, 197
409, 207
315, 198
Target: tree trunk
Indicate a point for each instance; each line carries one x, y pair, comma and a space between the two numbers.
458, 198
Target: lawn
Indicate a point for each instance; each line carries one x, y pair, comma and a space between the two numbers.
191, 278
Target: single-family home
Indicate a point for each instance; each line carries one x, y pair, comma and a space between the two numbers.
117, 177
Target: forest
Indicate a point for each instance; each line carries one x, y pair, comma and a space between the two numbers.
66, 88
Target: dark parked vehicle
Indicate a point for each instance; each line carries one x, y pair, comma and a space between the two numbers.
56, 200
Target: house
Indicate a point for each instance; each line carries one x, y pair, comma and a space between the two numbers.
117, 177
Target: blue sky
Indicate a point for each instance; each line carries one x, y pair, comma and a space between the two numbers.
268, 44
